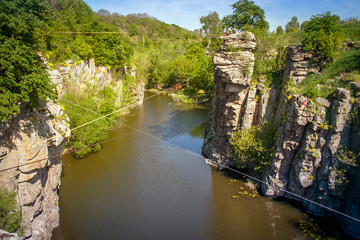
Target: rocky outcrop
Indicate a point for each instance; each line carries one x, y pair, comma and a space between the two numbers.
297, 64
83, 75
30, 147
236, 102
317, 150
315, 157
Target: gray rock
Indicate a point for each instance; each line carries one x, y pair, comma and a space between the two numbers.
55, 77
307, 158
33, 146
323, 102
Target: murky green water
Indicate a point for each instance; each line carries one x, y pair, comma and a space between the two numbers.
138, 187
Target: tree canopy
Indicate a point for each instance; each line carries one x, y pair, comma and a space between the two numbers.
293, 25
246, 15
211, 24
279, 30
23, 27
322, 36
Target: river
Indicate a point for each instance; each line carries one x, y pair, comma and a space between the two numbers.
139, 187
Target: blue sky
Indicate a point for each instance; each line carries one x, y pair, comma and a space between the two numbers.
186, 13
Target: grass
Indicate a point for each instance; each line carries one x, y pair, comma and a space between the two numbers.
344, 70
289, 39
351, 30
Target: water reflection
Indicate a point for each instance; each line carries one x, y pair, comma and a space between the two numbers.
137, 187
249, 217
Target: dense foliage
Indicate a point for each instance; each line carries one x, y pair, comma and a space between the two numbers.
246, 15
322, 36
252, 148
84, 139
10, 216
293, 25
23, 25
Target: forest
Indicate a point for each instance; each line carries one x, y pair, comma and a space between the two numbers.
164, 55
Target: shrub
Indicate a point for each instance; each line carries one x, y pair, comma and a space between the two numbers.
252, 148
10, 216
322, 36
83, 139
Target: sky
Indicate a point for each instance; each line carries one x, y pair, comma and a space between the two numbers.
186, 13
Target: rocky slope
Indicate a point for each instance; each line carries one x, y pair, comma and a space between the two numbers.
30, 148
315, 150
78, 77
32, 141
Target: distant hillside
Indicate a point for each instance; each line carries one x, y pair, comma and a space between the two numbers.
139, 24
350, 30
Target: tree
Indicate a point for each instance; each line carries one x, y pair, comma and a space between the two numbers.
246, 15
322, 36
211, 24
279, 30
23, 76
10, 216
293, 25
252, 148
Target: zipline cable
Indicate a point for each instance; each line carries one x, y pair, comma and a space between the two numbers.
223, 166
237, 171
85, 124
92, 145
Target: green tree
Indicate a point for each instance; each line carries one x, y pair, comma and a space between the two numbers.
252, 148
246, 15
84, 139
23, 76
211, 24
293, 25
10, 216
279, 30
322, 36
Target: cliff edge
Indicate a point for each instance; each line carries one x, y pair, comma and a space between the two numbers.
317, 145
30, 147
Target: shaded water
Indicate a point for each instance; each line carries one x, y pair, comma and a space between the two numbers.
138, 187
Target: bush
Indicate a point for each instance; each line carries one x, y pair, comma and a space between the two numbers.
10, 217
322, 36
83, 140
252, 148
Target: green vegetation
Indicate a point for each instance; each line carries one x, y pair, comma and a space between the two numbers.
252, 148
351, 30
212, 29
339, 74
322, 36
10, 216
105, 102
293, 25
22, 72
344, 169
246, 16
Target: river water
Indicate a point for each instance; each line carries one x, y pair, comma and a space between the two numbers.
139, 187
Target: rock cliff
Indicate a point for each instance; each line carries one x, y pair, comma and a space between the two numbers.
30, 147
236, 103
77, 77
316, 150
32, 141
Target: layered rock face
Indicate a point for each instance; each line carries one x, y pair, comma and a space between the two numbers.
30, 148
83, 75
315, 155
235, 102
